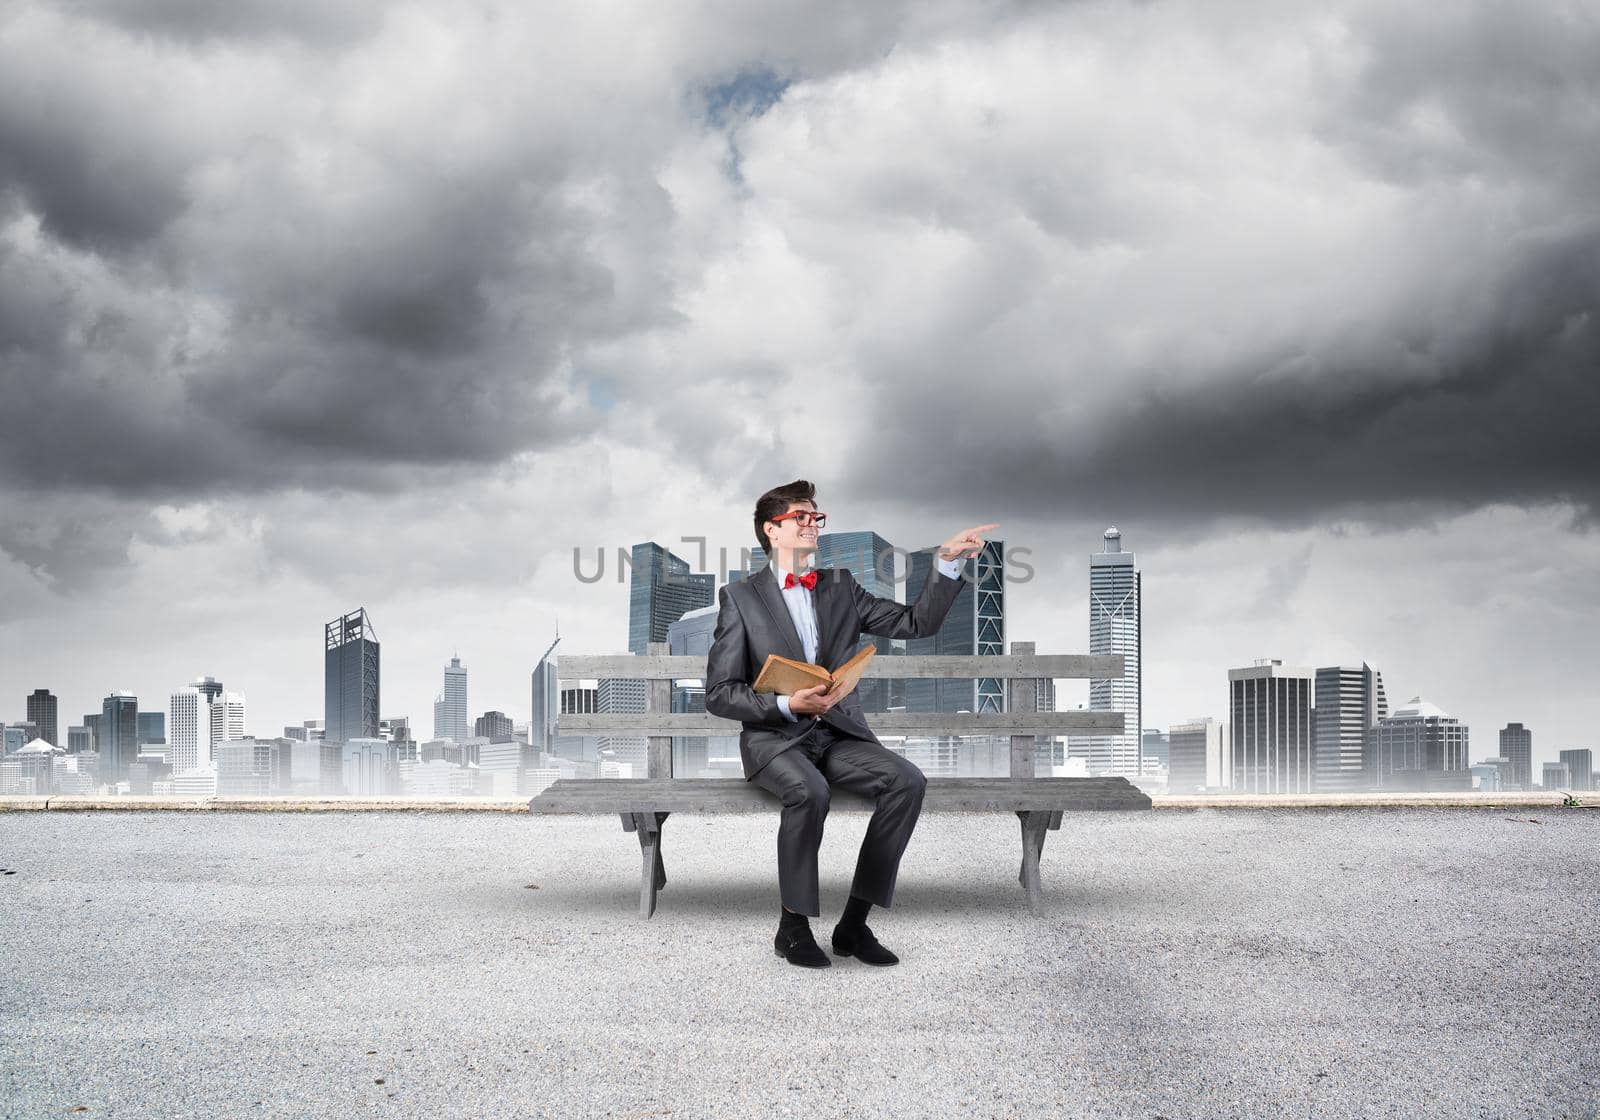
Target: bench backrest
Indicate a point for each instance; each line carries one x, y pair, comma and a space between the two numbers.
1022, 668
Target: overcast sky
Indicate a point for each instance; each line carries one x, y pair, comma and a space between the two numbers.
306, 307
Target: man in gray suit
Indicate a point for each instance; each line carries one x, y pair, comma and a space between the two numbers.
799, 745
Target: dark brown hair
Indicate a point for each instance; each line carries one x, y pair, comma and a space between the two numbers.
777, 501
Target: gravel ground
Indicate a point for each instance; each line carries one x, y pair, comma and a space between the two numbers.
1284, 963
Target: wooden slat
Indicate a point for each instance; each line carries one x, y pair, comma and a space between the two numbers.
732, 795
884, 723
1056, 666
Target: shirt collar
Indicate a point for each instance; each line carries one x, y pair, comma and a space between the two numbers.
779, 571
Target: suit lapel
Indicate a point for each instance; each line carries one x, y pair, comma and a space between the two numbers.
766, 587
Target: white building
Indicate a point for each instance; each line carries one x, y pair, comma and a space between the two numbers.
189, 727
450, 707
1115, 627
227, 717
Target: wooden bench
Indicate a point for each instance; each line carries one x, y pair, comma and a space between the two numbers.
645, 803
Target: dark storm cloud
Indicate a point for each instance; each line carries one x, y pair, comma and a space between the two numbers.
1511, 419
315, 21
1376, 298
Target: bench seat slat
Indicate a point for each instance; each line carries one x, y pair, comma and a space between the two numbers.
725, 795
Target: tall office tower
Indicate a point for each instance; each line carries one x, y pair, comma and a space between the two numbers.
546, 710
227, 716
618, 695
1516, 744
660, 590
42, 714
1420, 748
870, 559
1270, 709
976, 624
190, 746
209, 687
1580, 763
350, 678
119, 736
92, 722
1349, 703
1556, 776
495, 727
450, 720
1199, 756
152, 727
1116, 626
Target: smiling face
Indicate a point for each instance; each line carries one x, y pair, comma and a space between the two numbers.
789, 535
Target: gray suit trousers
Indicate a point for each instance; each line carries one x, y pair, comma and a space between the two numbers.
801, 777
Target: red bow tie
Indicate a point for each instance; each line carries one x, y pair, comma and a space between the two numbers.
808, 581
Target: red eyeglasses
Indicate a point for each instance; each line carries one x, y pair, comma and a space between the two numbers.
803, 518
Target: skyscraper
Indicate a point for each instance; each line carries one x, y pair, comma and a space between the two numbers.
976, 625
350, 678
869, 558
118, 739
660, 589
227, 716
1516, 745
1580, 765
189, 745
1420, 747
450, 706
1270, 710
1349, 703
1116, 626
209, 687
42, 714
495, 727
546, 710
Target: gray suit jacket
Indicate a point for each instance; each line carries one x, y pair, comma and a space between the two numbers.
753, 621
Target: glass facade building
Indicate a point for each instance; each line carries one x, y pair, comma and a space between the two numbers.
661, 589
976, 625
350, 679
118, 738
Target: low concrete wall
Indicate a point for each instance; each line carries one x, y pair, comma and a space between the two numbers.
1498, 801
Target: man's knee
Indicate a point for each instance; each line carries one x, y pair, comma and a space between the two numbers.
809, 794
909, 779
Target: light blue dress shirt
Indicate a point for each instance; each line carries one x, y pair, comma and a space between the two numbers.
803, 610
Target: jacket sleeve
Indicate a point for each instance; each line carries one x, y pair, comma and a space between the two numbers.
890, 619
728, 693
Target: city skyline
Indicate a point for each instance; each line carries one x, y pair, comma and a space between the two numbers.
357, 626
304, 342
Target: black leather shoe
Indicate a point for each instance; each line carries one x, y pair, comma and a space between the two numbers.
797, 946
860, 943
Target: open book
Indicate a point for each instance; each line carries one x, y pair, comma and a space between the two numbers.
786, 676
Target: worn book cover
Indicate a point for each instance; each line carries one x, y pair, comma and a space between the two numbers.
785, 676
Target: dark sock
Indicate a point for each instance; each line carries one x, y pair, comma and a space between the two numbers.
855, 913
788, 919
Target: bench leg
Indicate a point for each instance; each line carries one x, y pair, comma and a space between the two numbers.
653, 873
1034, 825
